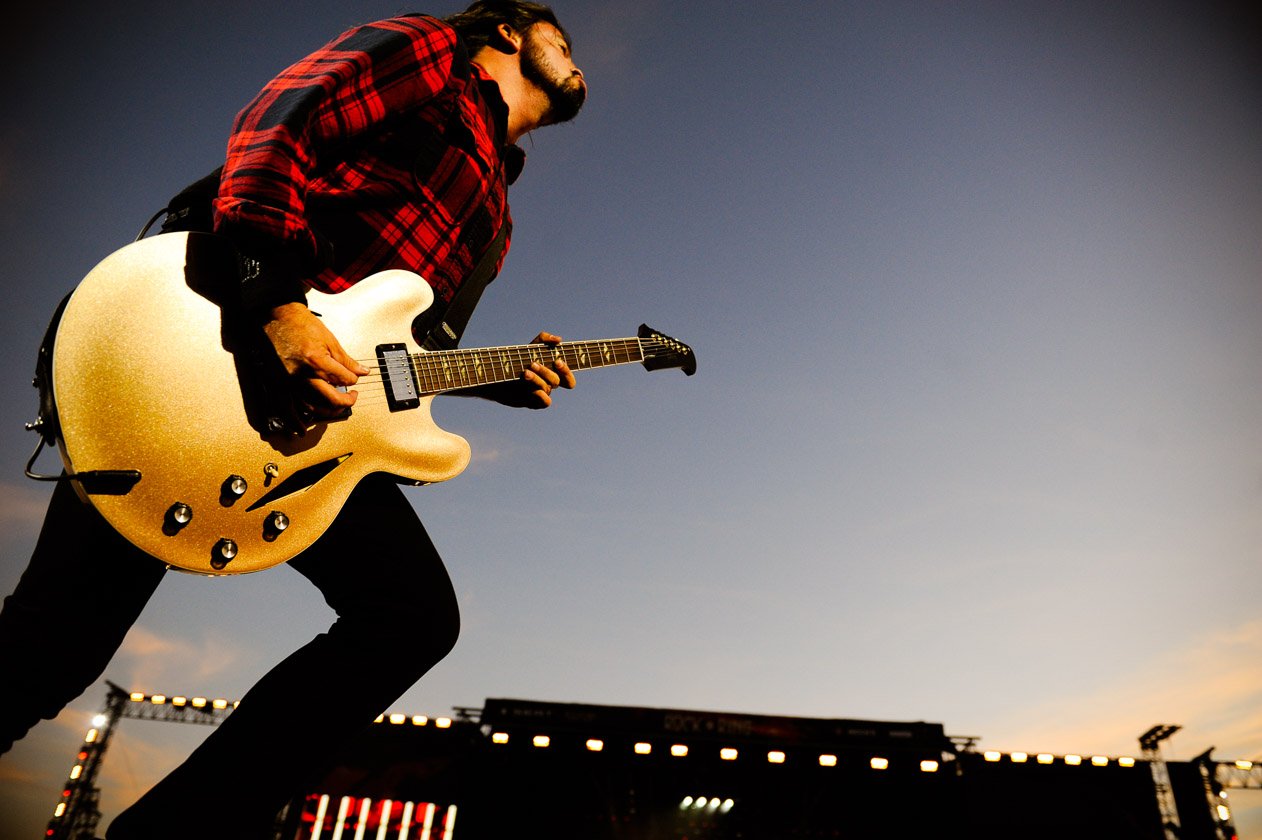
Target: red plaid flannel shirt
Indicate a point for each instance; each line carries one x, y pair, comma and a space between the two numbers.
384, 149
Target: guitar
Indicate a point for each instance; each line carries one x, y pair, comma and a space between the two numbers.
170, 420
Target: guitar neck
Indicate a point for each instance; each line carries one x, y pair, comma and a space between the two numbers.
451, 370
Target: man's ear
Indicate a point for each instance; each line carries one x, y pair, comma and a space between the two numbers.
506, 40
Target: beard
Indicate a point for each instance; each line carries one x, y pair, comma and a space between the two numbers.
566, 93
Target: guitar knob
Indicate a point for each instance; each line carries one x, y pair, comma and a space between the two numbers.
236, 485
223, 553
177, 516
276, 522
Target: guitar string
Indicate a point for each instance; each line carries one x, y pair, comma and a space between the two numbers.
371, 387
429, 365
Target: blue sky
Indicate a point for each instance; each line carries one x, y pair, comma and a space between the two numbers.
975, 289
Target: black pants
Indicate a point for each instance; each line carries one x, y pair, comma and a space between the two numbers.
85, 586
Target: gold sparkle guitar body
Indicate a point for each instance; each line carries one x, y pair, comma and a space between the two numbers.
170, 414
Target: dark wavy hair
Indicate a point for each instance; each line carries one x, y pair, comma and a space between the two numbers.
476, 24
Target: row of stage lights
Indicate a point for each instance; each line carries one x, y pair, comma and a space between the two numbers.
642, 747
645, 748
218, 704
875, 762
1071, 759
725, 753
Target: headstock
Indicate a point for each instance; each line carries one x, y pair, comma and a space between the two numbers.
662, 351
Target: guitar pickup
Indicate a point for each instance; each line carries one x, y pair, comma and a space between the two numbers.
398, 373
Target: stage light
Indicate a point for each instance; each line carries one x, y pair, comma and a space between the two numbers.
878, 763
1244, 765
992, 755
928, 766
1046, 758
398, 719
379, 719
1099, 761
219, 704
1020, 757
136, 697
728, 753
343, 810
775, 757
714, 805
700, 802
595, 744
158, 699
419, 720
541, 741
643, 748
427, 822
1073, 760
91, 736
1126, 761
679, 750
321, 810
99, 720
828, 760
443, 723
179, 701
1224, 813
499, 737
686, 803
727, 805
60, 809
76, 771
199, 702
405, 821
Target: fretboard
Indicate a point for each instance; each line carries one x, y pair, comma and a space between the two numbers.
450, 370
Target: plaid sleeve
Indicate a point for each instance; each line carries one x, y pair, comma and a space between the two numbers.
332, 95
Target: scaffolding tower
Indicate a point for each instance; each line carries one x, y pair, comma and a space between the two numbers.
1150, 743
78, 811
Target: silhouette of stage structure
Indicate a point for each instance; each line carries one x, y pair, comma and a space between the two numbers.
526, 768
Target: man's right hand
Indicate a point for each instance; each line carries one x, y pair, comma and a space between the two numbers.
314, 359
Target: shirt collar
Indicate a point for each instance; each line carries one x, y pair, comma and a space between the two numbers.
514, 156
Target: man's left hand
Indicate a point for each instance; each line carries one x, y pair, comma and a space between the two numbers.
535, 386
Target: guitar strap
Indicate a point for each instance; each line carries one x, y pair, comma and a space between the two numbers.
445, 334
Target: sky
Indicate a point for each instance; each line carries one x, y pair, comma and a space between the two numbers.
975, 290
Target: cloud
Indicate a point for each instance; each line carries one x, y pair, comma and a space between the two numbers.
153, 660
1211, 687
488, 449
